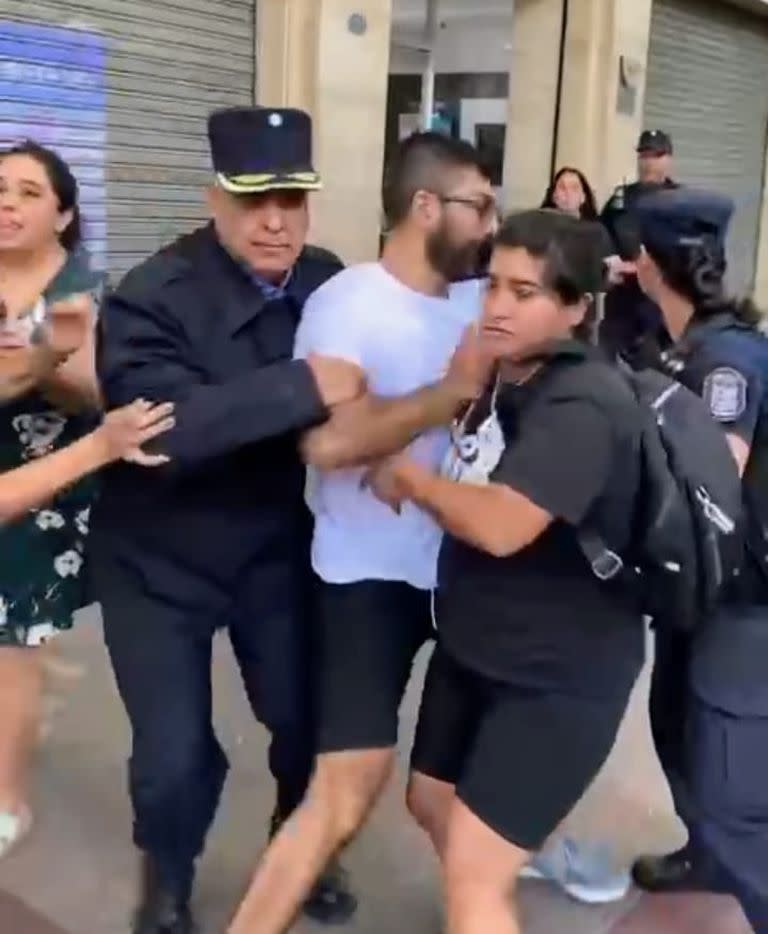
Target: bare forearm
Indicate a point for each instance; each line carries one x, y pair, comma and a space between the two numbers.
72, 393
465, 511
73, 385
371, 428
25, 370
16, 387
33, 484
493, 518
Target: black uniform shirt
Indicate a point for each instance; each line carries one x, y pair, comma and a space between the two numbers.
725, 367
633, 326
540, 617
726, 363
191, 326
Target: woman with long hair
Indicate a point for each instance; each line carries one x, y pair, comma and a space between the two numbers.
570, 192
535, 658
48, 399
709, 697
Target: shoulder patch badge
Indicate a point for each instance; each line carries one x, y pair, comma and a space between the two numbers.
725, 394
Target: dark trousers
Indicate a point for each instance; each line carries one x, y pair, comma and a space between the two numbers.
709, 716
161, 656
668, 705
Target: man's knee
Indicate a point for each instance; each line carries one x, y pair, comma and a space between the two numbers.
346, 785
175, 764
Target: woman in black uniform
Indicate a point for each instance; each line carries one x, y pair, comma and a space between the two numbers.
536, 657
709, 700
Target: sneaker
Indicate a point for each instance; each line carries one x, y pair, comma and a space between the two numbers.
584, 871
331, 901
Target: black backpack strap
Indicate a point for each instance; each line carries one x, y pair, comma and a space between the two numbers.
605, 563
755, 535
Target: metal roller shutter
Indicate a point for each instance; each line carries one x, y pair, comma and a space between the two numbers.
708, 87
122, 89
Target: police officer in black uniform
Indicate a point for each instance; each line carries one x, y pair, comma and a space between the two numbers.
709, 702
219, 537
632, 326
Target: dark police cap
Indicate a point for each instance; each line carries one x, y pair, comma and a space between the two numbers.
683, 217
259, 149
655, 141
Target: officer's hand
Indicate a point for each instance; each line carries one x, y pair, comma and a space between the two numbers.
470, 368
125, 430
338, 380
618, 269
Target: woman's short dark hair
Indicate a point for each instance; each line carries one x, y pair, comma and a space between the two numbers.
63, 183
571, 251
588, 210
697, 271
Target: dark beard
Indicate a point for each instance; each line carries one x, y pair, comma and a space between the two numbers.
483, 261
451, 261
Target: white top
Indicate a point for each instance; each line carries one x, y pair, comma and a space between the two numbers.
403, 340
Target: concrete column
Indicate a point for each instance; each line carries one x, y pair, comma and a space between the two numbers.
761, 268
532, 101
604, 39
331, 57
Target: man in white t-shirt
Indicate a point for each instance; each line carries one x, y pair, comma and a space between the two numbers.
402, 323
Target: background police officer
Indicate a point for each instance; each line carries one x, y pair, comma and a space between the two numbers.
632, 326
220, 536
709, 700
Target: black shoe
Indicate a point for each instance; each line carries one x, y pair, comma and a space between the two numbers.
161, 911
331, 901
674, 872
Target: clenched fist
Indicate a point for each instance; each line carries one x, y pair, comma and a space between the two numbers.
337, 380
470, 368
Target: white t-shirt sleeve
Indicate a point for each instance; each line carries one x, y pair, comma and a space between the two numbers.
331, 325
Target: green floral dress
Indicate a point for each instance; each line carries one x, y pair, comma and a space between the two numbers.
42, 555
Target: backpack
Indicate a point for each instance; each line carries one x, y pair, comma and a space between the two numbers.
687, 540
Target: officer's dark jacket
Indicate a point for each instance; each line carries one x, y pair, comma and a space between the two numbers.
190, 326
633, 326
617, 216
723, 343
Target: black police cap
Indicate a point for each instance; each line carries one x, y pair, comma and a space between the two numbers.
683, 217
655, 141
259, 149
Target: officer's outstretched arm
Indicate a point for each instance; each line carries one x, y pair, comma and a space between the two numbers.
142, 353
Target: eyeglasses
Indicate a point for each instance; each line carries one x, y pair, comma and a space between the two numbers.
485, 206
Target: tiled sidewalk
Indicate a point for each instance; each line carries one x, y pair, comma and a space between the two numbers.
78, 867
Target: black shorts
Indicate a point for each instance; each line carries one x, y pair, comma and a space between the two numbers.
520, 758
368, 634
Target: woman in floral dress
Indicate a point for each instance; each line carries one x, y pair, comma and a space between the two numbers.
48, 399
